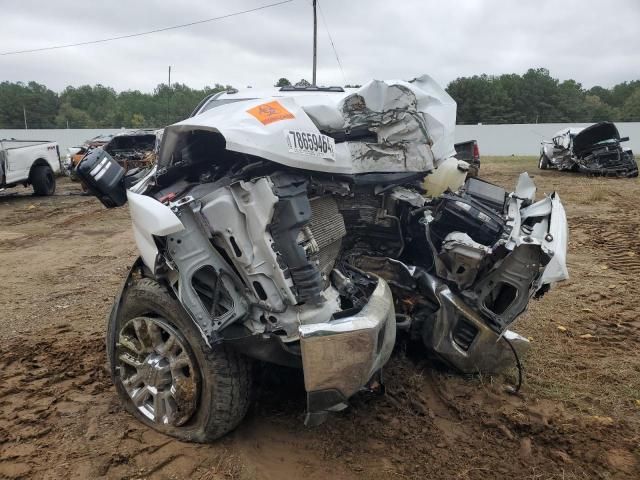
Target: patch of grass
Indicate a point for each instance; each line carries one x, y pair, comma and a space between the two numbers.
598, 194
519, 162
509, 158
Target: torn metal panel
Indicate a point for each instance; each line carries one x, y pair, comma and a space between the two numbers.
541, 208
460, 336
525, 188
556, 243
150, 219
494, 270
460, 259
503, 293
237, 217
200, 277
412, 124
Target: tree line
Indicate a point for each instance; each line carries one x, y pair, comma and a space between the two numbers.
534, 97
537, 97
97, 106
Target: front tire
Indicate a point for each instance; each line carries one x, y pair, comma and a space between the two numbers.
166, 375
43, 181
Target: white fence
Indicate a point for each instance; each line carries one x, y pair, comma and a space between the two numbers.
525, 138
518, 139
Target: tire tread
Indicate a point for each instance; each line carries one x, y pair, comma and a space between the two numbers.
230, 374
39, 181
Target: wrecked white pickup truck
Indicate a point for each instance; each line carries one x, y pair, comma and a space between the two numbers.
294, 229
595, 150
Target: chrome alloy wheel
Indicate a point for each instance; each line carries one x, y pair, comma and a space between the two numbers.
157, 370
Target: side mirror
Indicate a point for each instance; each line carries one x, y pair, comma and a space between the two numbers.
624, 139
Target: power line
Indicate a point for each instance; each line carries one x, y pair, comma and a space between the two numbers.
132, 35
324, 21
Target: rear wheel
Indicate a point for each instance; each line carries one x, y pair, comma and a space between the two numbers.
43, 180
167, 376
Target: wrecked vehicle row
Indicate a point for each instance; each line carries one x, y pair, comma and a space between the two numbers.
294, 228
132, 149
595, 150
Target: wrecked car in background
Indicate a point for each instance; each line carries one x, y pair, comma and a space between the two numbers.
132, 149
292, 227
595, 150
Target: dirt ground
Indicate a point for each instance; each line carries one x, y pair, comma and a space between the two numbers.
578, 415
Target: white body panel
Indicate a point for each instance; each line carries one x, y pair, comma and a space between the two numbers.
557, 270
414, 123
17, 157
150, 217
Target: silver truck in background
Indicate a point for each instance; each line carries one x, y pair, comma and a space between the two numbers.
29, 162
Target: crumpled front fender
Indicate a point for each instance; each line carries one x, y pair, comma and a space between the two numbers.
150, 218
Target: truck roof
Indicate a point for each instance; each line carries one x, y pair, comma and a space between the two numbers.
237, 95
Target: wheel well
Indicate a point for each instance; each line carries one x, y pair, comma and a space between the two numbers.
40, 162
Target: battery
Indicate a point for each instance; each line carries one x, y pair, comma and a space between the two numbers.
491, 195
467, 215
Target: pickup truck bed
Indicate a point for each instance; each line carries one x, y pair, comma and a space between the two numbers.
29, 162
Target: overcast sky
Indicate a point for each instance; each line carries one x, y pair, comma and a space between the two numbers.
593, 42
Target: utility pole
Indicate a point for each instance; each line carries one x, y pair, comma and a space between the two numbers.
315, 41
24, 112
169, 95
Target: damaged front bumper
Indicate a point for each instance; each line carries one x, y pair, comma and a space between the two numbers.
627, 169
341, 356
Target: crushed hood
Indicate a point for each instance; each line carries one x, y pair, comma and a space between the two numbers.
409, 127
587, 138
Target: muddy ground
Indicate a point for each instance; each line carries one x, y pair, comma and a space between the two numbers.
578, 416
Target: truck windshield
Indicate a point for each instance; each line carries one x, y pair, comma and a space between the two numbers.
222, 101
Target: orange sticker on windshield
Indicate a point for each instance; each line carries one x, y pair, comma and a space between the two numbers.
270, 112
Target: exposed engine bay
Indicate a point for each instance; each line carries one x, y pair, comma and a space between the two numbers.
318, 268
272, 259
